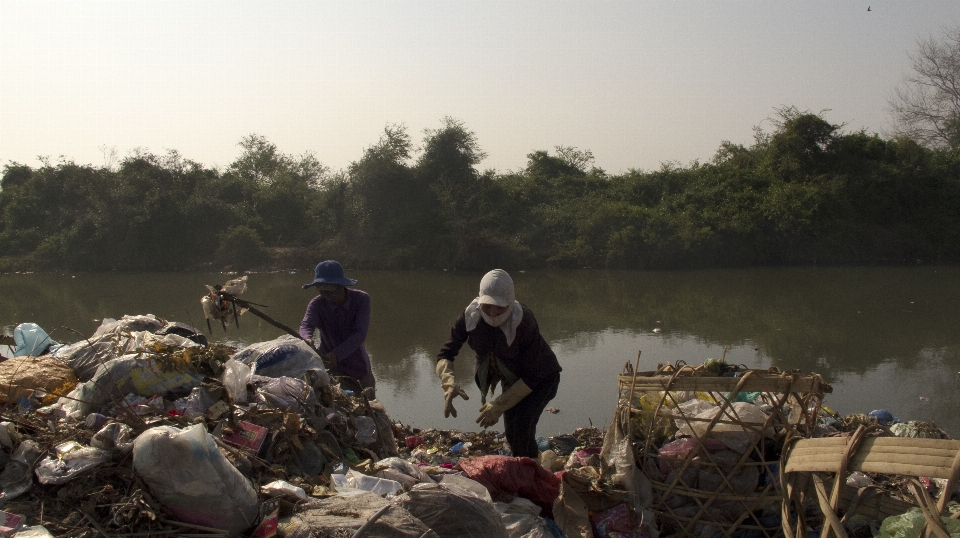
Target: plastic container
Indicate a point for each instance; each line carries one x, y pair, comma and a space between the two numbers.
378, 486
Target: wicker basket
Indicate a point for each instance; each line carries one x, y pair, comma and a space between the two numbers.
811, 467
726, 427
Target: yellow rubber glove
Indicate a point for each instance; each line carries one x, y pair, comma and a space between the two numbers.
450, 387
490, 412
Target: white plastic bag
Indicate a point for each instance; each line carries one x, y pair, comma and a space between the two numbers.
522, 519
731, 433
185, 471
147, 322
281, 488
285, 356
236, 375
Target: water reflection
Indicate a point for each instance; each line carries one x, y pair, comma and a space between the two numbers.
883, 336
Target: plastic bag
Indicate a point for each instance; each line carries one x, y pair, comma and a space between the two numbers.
144, 341
127, 324
69, 464
86, 356
403, 466
139, 374
281, 488
17, 477
522, 519
285, 356
285, 393
115, 435
733, 435
618, 455
366, 430
236, 375
908, 525
185, 471
453, 511
31, 340
194, 404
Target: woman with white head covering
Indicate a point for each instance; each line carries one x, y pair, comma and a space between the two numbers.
511, 351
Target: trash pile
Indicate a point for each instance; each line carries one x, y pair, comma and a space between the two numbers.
145, 428
710, 441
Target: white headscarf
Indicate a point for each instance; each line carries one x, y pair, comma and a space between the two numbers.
496, 287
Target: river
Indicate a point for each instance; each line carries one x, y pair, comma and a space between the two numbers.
885, 337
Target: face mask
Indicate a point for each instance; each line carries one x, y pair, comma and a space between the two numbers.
330, 294
498, 320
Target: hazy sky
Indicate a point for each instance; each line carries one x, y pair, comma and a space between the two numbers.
636, 82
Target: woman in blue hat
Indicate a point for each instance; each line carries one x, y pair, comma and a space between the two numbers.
342, 317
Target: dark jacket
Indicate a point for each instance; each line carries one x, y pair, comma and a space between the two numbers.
529, 356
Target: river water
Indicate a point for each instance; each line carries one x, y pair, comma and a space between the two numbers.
885, 338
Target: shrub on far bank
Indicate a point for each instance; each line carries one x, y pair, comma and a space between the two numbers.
241, 248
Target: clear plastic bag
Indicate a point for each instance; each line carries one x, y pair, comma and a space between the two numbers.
453, 511
285, 393
366, 430
115, 435
186, 472
68, 465
236, 375
17, 477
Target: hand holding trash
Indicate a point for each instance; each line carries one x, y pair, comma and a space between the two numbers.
450, 387
490, 412
330, 360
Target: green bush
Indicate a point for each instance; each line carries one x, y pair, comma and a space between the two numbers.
241, 248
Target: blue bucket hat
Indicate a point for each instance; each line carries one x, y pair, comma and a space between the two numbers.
330, 272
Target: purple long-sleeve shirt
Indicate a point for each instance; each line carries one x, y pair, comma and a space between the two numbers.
343, 330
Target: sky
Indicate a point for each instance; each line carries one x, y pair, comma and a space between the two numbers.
638, 83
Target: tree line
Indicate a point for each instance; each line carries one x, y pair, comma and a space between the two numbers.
805, 193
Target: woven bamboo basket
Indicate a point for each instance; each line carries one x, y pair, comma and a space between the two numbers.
811, 468
709, 440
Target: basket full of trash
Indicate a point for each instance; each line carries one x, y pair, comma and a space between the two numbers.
709, 439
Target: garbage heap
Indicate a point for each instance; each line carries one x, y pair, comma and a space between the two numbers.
143, 428
709, 439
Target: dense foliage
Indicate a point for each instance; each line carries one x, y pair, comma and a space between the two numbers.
806, 193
